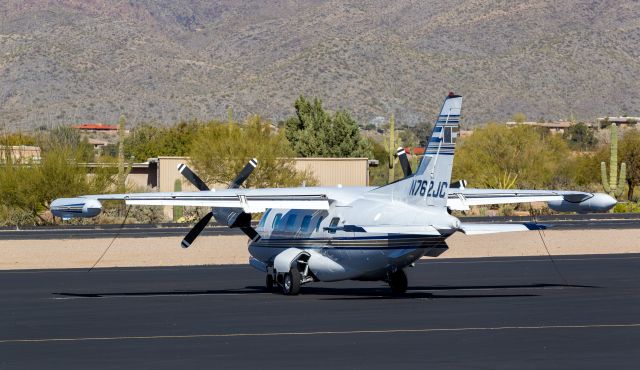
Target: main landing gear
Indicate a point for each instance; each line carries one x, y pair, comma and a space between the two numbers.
290, 282
397, 282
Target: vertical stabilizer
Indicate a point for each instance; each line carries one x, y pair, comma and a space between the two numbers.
430, 184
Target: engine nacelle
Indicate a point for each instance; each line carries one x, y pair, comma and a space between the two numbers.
67, 208
599, 202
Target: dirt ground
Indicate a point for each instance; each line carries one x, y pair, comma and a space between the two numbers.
214, 250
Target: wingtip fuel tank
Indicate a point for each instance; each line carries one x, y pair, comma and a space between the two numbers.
599, 202
75, 207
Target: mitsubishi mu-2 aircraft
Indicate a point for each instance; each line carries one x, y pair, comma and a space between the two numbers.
309, 234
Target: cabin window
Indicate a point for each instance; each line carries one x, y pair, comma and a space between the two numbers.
304, 226
291, 221
333, 225
276, 221
264, 218
319, 222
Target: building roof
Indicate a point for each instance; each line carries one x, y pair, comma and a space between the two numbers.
550, 125
416, 150
96, 126
627, 120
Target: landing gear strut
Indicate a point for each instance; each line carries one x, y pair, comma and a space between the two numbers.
269, 283
398, 282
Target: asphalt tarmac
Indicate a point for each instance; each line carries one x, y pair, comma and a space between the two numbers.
472, 313
557, 222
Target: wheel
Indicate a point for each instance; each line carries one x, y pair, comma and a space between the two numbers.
269, 283
398, 282
291, 282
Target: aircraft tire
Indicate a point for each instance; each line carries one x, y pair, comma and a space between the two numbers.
291, 282
398, 282
269, 283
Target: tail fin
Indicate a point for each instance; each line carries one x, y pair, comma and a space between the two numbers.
430, 184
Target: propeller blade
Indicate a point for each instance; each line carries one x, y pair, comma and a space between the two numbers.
404, 162
192, 177
242, 176
251, 233
196, 230
460, 184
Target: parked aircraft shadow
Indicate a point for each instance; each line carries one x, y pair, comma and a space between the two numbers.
512, 286
421, 292
414, 292
247, 290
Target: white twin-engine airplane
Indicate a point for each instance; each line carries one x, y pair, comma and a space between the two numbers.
312, 234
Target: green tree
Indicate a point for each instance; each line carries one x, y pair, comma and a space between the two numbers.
421, 132
70, 138
151, 141
220, 151
408, 138
580, 137
19, 138
315, 133
495, 155
630, 154
519, 118
31, 187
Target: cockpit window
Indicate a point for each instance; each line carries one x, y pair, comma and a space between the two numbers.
276, 221
264, 218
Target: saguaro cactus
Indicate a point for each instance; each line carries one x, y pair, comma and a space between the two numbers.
123, 169
614, 186
178, 211
392, 148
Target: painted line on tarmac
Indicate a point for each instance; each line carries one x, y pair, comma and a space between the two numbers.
123, 269
318, 333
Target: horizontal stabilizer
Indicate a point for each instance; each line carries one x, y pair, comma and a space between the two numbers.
489, 228
411, 230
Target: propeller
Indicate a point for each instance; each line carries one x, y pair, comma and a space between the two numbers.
404, 162
244, 174
192, 177
196, 230
233, 217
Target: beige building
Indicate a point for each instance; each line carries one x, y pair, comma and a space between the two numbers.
20, 153
161, 173
622, 122
558, 127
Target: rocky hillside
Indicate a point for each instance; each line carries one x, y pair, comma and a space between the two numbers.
67, 61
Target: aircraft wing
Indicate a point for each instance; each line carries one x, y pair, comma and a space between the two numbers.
249, 200
560, 200
490, 228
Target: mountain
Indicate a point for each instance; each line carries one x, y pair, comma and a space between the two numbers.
69, 61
